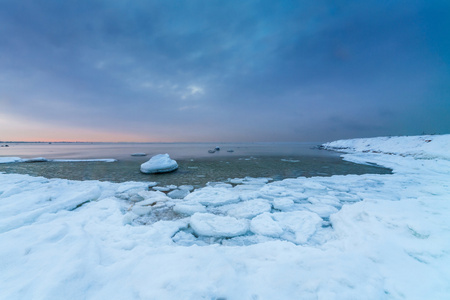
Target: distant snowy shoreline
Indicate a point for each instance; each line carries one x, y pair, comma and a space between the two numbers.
339, 237
9, 159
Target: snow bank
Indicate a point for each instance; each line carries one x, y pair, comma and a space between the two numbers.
339, 237
160, 163
423, 147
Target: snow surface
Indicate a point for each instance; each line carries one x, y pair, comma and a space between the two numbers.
340, 237
160, 163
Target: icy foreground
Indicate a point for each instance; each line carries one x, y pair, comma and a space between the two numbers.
340, 237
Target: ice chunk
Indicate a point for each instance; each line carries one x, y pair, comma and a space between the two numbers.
161, 188
290, 160
214, 196
248, 209
219, 184
188, 208
178, 194
189, 188
132, 185
325, 199
323, 210
218, 226
155, 195
298, 225
283, 203
265, 225
250, 180
346, 197
152, 200
185, 238
160, 163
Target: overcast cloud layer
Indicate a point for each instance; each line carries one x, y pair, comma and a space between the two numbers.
223, 70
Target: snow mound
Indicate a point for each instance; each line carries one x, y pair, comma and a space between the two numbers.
160, 163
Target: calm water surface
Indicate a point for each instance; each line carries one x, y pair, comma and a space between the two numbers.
196, 165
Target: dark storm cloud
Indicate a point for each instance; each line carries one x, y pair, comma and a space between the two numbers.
229, 70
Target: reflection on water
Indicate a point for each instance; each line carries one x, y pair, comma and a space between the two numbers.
196, 165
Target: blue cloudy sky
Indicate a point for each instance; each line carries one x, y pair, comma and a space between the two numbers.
117, 70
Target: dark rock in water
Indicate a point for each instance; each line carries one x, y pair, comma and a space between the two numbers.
139, 154
36, 160
217, 148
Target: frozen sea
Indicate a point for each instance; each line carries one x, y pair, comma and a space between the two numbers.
344, 236
196, 165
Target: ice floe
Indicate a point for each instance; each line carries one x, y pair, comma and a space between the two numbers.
160, 163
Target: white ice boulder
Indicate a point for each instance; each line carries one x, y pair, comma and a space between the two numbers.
160, 163
206, 224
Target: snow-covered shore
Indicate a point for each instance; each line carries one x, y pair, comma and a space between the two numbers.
339, 237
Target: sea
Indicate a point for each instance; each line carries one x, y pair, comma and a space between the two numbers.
197, 165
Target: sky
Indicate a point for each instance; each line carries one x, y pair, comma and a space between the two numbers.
225, 71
